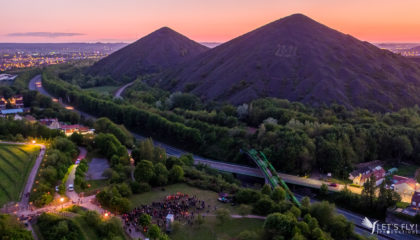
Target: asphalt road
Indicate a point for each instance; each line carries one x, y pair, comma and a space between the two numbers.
35, 84
357, 219
72, 195
122, 89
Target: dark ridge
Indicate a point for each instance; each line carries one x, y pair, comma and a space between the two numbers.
160, 50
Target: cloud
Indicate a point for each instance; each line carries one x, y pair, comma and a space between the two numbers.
44, 34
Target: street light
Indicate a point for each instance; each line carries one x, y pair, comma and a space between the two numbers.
33, 141
62, 201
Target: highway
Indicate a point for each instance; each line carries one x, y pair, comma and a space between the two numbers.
360, 229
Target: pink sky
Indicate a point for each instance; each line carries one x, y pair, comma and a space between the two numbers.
217, 20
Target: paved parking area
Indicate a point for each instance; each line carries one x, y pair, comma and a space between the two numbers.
96, 168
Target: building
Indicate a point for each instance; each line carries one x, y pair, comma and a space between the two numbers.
70, 129
17, 117
361, 175
415, 200
7, 77
392, 171
51, 123
30, 119
16, 101
404, 186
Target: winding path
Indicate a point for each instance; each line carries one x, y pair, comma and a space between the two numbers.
122, 89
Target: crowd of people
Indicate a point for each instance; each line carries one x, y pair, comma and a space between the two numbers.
182, 206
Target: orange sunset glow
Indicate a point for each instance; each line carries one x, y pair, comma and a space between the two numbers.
217, 20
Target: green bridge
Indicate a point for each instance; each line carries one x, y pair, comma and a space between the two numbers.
270, 173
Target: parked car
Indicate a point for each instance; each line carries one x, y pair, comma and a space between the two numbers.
71, 187
57, 188
333, 185
77, 161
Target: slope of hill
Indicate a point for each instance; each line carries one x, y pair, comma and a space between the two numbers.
299, 59
153, 53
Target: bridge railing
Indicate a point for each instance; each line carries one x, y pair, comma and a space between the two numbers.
271, 174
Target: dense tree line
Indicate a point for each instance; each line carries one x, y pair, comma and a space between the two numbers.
132, 117
20, 130
80, 174
296, 138
104, 125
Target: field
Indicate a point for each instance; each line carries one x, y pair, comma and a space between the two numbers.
16, 162
211, 229
103, 89
157, 194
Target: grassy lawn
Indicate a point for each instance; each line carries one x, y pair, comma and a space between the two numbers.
406, 170
94, 186
211, 229
103, 89
340, 181
16, 162
158, 195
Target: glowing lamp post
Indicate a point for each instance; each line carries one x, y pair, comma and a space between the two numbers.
62, 201
33, 141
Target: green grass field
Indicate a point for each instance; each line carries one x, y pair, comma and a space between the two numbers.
103, 89
211, 229
158, 195
406, 170
16, 162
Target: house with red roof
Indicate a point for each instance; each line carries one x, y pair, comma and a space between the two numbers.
16, 101
51, 123
405, 186
361, 175
70, 129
